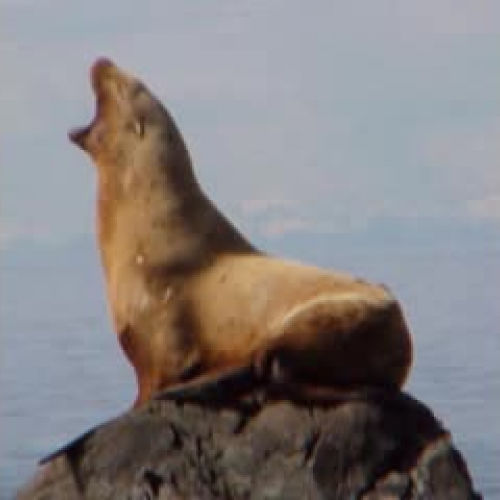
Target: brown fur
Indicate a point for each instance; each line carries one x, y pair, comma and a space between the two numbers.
189, 295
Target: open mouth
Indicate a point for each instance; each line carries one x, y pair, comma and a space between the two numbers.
101, 70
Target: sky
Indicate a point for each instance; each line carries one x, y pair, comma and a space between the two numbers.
318, 118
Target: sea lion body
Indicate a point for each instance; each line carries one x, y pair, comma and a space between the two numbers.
189, 295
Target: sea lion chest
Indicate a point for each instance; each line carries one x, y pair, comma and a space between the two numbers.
141, 263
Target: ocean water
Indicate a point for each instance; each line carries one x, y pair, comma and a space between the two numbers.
62, 371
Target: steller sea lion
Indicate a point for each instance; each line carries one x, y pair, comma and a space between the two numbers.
191, 298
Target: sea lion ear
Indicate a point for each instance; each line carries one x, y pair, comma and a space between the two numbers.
80, 137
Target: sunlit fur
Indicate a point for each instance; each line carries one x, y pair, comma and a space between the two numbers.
189, 295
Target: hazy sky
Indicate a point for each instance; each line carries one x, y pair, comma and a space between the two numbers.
313, 116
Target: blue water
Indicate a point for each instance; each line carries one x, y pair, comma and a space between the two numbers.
62, 370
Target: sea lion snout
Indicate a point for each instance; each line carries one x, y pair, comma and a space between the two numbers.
114, 90
108, 79
107, 82
101, 73
99, 69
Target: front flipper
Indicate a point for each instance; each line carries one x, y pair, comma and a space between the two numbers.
231, 385
269, 377
215, 388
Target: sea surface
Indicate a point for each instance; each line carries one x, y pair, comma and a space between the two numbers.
62, 371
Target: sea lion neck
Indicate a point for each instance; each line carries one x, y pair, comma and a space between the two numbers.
159, 192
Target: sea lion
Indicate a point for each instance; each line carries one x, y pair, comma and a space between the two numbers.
190, 297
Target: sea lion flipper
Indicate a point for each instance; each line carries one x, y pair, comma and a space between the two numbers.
214, 387
281, 381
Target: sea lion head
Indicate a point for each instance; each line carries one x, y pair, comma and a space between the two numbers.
131, 130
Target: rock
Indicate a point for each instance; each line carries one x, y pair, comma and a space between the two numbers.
389, 447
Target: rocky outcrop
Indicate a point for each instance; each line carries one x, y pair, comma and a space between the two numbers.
387, 446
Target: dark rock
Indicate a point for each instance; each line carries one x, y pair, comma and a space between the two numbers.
389, 447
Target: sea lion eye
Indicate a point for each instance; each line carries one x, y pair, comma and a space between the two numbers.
139, 127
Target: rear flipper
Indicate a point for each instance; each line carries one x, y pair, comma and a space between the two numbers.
343, 340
